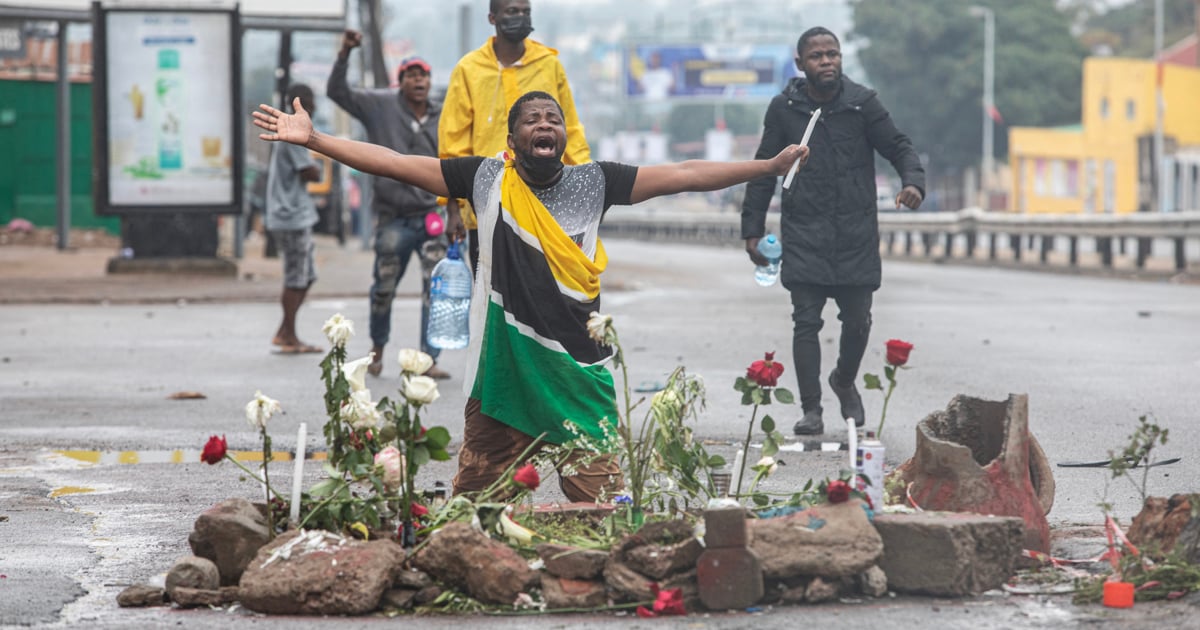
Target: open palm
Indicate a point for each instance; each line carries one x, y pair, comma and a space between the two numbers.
294, 128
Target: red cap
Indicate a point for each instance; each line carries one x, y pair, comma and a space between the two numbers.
413, 62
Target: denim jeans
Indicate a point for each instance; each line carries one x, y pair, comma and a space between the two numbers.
395, 243
854, 311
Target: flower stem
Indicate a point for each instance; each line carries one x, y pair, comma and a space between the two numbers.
635, 480
883, 413
267, 481
737, 493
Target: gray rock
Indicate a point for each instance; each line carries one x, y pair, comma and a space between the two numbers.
948, 554
229, 533
572, 562
729, 578
140, 595
490, 571
398, 598
323, 574
873, 582
826, 540
412, 579
571, 593
660, 561
427, 594
627, 584
820, 591
193, 572
186, 597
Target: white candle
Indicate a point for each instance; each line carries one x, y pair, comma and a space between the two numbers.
853, 433
298, 472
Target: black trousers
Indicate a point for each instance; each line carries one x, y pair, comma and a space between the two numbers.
854, 311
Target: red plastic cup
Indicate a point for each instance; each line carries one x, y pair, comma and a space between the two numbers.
1118, 594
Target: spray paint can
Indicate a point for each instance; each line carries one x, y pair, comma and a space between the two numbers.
869, 463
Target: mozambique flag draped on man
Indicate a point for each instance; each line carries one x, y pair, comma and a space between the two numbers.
536, 366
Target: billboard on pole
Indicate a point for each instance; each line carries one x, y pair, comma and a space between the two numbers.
166, 98
655, 72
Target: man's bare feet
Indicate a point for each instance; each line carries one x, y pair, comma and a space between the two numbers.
375, 367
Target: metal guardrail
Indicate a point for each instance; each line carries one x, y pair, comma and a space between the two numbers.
1039, 233
948, 234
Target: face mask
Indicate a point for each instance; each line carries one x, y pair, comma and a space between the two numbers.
515, 28
540, 169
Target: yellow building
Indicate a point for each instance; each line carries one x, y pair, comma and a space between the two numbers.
1105, 165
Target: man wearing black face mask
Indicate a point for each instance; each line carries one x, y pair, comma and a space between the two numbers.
483, 88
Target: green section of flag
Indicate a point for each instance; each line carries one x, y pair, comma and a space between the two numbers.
535, 389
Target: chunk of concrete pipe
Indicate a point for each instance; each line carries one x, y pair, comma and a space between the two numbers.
979, 456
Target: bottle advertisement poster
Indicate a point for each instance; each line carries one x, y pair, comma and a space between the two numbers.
169, 105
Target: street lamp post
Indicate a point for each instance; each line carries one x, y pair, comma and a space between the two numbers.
989, 85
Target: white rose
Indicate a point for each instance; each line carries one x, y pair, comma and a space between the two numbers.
360, 411
420, 390
259, 410
767, 464
666, 402
414, 361
392, 462
356, 373
600, 328
338, 330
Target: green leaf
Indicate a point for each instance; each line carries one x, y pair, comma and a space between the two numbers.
770, 446
439, 454
768, 424
784, 396
437, 438
757, 396
716, 461
323, 488
890, 372
420, 455
871, 381
760, 499
748, 397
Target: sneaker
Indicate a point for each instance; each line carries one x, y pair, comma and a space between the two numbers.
852, 406
436, 373
810, 424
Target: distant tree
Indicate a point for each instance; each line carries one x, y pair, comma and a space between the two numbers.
1128, 31
925, 58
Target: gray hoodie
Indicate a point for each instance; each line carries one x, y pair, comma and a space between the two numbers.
390, 123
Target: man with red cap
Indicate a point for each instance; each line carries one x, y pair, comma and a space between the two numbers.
405, 121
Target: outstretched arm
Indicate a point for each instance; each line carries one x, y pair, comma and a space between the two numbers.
416, 170
702, 175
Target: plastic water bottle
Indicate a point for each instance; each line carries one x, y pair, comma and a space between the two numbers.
450, 302
769, 246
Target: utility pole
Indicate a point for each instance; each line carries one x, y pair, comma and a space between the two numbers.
986, 164
1160, 175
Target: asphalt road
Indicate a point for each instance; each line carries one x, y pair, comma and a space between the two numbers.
1092, 354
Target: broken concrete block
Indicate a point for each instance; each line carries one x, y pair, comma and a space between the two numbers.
948, 554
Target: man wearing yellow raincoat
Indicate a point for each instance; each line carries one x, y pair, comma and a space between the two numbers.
483, 88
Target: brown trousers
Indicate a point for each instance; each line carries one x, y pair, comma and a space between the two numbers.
490, 447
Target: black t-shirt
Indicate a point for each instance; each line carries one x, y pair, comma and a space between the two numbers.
471, 177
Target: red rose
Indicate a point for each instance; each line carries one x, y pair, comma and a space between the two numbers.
765, 372
897, 352
838, 491
418, 510
527, 476
670, 602
214, 450
666, 602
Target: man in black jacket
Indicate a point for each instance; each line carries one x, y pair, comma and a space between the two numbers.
830, 225
403, 120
